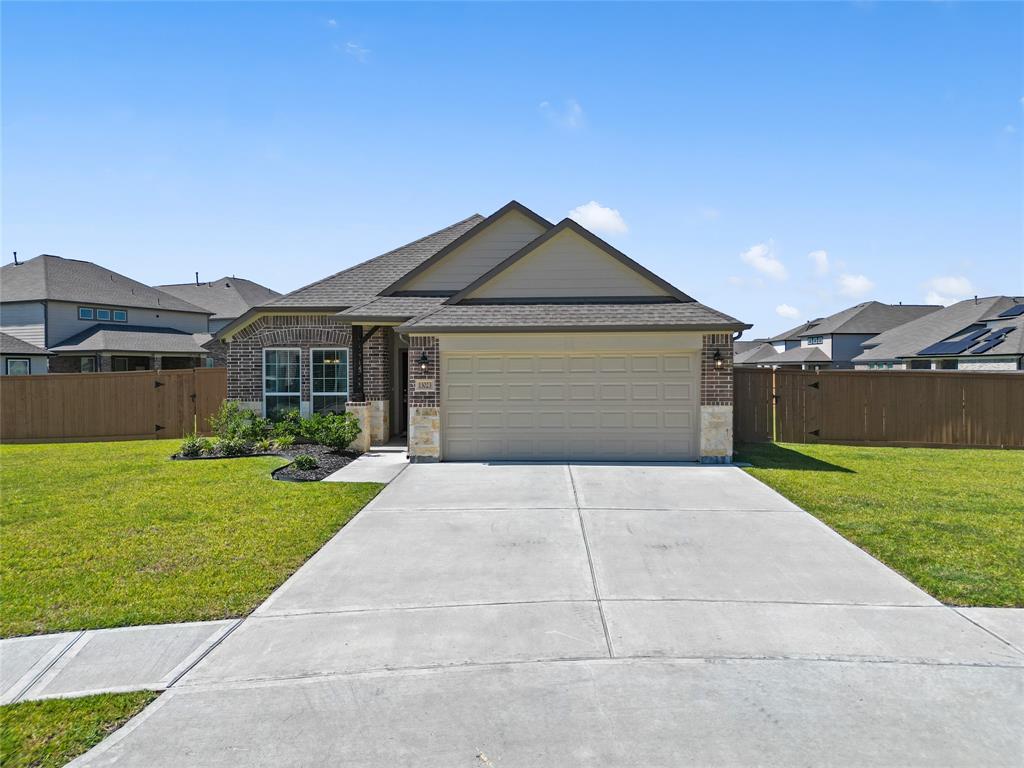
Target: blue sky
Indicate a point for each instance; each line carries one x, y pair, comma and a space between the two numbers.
737, 143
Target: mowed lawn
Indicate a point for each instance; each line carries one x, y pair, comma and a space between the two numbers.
115, 534
951, 521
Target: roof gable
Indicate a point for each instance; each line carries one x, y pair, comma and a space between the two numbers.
568, 262
475, 252
227, 298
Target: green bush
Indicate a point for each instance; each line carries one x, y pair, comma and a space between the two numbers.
335, 430
232, 422
266, 445
234, 446
194, 445
288, 426
284, 441
306, 462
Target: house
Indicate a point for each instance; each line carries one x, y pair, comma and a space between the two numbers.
498, 337
93, 319
833, 341
753, 354
977, 335
228, 298
19, 358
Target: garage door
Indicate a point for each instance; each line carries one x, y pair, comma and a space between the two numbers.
591, 406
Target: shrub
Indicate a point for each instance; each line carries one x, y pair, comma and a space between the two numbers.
266, 445
335, 430
284, 441
305, 462
194, 445
289, 426
234, 446
232, 422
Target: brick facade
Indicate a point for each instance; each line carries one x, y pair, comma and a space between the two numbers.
245, 351
417, 346
377, 365
716, 383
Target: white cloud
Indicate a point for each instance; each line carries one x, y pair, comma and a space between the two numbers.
598, 218
708, 214
785, 310
1009, 128
569, 117
762, 258
948, 290
332, 22
820, 259
734, 280
855, 286
357, 52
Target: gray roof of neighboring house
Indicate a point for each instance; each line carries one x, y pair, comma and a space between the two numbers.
227, 298
392, 308
359, 284
761, 353
130, 338
11, 345
559, 317
909, 339
58, 279
870, 317
801, 355
745, 346
793, 334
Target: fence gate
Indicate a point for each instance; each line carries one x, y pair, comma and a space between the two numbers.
753, 420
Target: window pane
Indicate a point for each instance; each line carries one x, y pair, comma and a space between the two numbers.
330, 371
87, 365
329, 403
279, 405
18, 367
102, 314
120, 315
282, 371
85, 313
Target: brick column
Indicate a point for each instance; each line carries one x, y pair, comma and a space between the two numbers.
377, 383
716, 399
424, 405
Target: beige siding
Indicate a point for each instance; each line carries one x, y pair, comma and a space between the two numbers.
567, 265
475, 257
62, 320
25, 321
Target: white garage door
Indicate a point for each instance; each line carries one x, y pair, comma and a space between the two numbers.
614, 405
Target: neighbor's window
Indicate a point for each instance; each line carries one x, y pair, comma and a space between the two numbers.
920, 365
102, 314
18, 366
948, 365
85, 313
281, 382
87, 364
120, 316
329, 379
815, 339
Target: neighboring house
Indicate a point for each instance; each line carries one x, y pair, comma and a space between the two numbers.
973, 335
505, 337
833, 341
19, 358
754, 354
94, 319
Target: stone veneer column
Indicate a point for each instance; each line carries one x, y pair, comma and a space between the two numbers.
424, 407
716, 399
362, 413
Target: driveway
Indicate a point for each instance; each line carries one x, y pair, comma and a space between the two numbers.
597, 615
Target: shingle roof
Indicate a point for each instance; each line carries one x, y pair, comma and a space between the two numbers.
364, 281
129, 338
760, 353
10, 345
689, 315
227, 298
801, 355
869, 317
393, 308
910, 338
54, 278
793, 334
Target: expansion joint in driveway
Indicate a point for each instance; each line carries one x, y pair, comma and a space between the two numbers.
590, 562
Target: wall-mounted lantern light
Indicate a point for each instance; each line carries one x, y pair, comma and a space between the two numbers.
718, 360
423, 361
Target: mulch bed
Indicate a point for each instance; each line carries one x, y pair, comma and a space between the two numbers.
329, 461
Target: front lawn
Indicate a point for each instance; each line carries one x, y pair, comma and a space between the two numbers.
951, 521
47, 734
115, 534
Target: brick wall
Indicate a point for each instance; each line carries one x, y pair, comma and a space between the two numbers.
418, 345
377, 365
245, 352
716, 383
218, 351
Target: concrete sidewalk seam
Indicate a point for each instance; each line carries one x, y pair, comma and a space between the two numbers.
205, 652
36, 678
994, 634
590, 562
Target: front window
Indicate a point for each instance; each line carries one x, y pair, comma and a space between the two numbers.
85, 313
18, 366
815, 340
281, 382
87, 364
329, 379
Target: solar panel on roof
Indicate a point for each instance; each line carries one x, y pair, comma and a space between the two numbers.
1014, 311
956, 346
993, 340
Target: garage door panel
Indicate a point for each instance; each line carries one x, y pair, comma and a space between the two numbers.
587, 406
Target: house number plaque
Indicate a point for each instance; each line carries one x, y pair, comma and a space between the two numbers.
424, 385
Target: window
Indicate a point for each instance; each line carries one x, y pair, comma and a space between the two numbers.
87, 364
85, 313
102, 314
120, 316
920, 365
815, 340
329, 379
281, 382
19, 366
129, 363
948, 365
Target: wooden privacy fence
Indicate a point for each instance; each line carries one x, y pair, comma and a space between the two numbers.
109, 406
910, 408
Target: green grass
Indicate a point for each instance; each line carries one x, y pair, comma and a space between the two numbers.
115, 534
41, 734
951, 521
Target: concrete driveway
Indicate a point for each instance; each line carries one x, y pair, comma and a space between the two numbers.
595, 615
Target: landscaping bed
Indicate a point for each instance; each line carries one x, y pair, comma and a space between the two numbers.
328, 462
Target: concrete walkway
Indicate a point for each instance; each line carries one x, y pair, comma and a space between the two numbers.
599, 615
104, 660
381, 464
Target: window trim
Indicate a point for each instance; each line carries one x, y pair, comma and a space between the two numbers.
95, 365
348, 375
86, 313
113, 315
103, 309
9, 360
815, 341
263, 380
